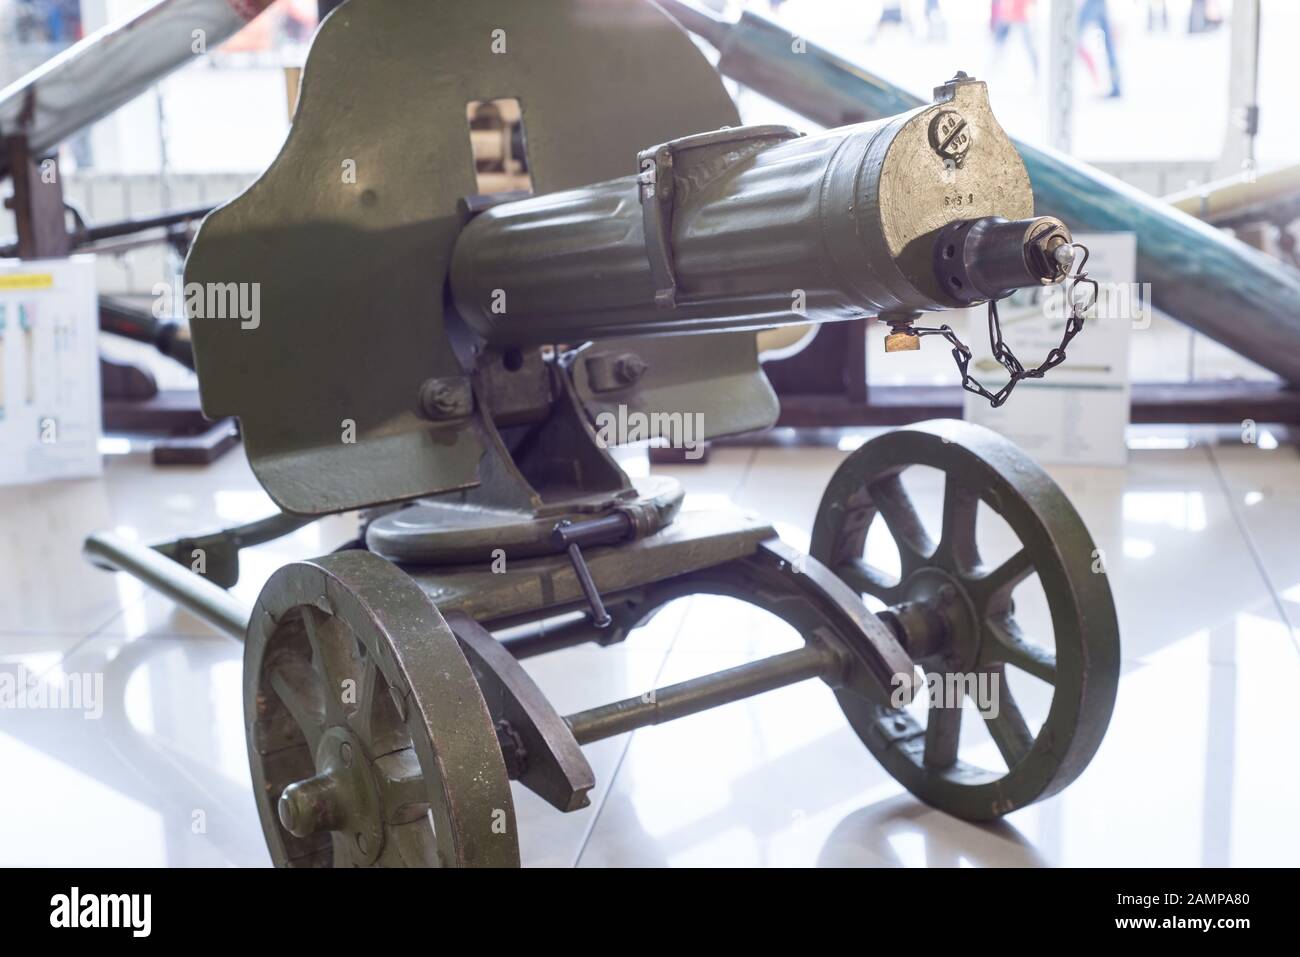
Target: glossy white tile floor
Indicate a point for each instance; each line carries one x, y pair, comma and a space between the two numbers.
1197, 768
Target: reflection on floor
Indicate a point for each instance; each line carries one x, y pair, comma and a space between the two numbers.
1200, 547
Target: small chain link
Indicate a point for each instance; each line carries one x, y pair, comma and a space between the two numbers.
1002, 352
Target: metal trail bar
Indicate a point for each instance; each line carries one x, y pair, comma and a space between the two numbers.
1236, 295
129, 227
210, 602
701, 694
549, 635
112, 66
1237, 200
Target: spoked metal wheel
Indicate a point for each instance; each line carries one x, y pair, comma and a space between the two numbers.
956, 618
369, 741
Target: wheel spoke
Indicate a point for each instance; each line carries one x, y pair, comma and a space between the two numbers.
402, 789
392, 855
960, 510
299, 690
335, 656
1008, 728
942, 734
414, 843
896, 508
995, 588
363, 718
862, 577
1008, 644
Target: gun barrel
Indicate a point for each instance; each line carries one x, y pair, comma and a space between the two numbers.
759, 227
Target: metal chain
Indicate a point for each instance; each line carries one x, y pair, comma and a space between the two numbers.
1002, 352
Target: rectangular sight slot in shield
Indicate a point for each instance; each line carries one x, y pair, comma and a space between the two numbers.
496, 133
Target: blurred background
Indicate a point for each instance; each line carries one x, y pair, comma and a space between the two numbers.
1156, 95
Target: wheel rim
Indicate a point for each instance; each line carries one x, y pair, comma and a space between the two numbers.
367, 733
978, 465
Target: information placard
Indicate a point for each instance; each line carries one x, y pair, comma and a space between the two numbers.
49, 370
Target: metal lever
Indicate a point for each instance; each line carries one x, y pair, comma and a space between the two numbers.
599, 616
571, 536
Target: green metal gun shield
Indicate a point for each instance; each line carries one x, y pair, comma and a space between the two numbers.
343, 244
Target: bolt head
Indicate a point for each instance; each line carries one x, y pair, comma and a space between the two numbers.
446, 398
630, 368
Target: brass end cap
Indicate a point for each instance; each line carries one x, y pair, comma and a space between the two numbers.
902, 342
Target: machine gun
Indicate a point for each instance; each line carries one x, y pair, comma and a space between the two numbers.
442, 360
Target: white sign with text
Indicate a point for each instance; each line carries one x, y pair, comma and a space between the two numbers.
49, 370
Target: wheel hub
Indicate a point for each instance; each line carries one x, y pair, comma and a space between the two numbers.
342, 797
941, 623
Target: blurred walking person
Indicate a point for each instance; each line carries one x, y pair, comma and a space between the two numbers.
1094, 13
1203, 17
1157, 16
936, 27
1008, 15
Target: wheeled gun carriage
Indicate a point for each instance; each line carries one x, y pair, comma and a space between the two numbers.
437, 359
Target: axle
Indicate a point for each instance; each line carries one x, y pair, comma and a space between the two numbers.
703, 693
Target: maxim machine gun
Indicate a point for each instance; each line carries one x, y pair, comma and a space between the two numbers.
446, 362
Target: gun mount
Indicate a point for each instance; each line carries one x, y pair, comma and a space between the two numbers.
449, 362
